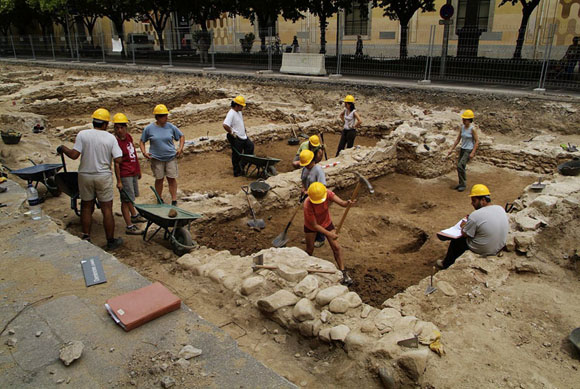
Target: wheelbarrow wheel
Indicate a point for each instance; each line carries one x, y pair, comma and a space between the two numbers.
183, 238
52, 187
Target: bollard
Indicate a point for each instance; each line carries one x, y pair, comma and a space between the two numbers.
13, 48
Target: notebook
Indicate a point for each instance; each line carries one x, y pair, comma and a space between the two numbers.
451, 232
93, 271
130, 310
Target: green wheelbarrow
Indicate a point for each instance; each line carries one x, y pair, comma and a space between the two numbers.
175, 230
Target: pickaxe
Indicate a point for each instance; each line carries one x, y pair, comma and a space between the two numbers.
361, 181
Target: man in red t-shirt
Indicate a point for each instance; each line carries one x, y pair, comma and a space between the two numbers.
317, 219
130, 174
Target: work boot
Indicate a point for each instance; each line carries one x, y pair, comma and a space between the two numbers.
133, 230
174, 203
346, 280
138, 219
113, 244
460, 188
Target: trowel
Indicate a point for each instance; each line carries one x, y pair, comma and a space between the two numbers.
430, 289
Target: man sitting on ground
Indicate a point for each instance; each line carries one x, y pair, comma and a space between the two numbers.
484, 232
313, 144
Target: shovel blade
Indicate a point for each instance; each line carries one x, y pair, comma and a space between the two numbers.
257, 223
280, 240
430, 289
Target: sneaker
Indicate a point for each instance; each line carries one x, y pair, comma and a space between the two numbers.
460, 188
86, 237
346, 280
138, 219
439, 263
113, 244
133, 230
174, 203
319, 243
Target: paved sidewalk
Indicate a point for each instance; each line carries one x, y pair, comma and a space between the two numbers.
41, 274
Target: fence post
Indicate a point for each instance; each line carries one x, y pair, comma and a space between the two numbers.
77, 47
270, 49
546, 61
168, 44
133, 49
429, 59
32, 47
212, 37
52, 48
13, 48
339, 35
102, 48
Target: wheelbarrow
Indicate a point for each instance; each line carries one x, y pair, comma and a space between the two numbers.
44, 173
68, 182
174, 227
262, 166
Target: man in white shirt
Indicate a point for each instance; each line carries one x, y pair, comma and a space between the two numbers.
484, 232
97, 149
239, 141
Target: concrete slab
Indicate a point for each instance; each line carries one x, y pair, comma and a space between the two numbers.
42, 291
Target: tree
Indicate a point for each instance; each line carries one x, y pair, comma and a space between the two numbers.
200, 12
324, 9
528, 7
266, 13
88, 12
118, 11
403, 10
158, 12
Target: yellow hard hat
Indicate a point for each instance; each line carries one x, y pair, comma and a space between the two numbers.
306, 156
467, 114
317, 193
120, 118
349, 99
102, 114
240, 101
160, 109
479, 190
314, 140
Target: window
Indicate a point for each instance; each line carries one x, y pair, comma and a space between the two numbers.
474, 13
356, 19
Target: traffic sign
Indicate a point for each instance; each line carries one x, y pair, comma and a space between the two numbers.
446, 11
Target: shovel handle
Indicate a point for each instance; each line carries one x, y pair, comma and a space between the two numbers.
353, 197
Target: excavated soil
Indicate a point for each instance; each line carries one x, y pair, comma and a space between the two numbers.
389, 238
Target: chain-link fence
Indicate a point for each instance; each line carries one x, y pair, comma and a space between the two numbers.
467, 55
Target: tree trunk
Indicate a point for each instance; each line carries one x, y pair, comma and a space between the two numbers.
526, 12
404, 38
323, 25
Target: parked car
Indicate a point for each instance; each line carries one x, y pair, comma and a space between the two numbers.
141, 42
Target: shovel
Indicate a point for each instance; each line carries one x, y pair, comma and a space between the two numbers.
430, 289
282, 239
254, 223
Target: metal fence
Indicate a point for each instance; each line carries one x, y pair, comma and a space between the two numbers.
470, 56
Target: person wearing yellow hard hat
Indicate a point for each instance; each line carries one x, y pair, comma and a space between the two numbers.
317, 219
162, 154
237, 135
311, 172
130, 173
351, 119
469, 143
313, 144
484, 231
97, 150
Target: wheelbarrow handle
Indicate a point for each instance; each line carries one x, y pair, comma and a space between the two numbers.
159, 200
123, 191
245, 189
63, 162
34, 163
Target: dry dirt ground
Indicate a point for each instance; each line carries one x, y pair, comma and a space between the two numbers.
514, 336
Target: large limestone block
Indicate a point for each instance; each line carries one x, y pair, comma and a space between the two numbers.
281, 298
291, 274
339, 305
427, 332
304, 310
353, 299
339, 332
188, 262
526, 223
406, 323
325, 296
251, 284
386, 318
544, 203
414, 363
217, 275
324, 335
307, 287
355, 341
524, 241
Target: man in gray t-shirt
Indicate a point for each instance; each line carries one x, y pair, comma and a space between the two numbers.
484, 232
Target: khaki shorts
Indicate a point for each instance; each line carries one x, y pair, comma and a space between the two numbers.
162, 169
96, 185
